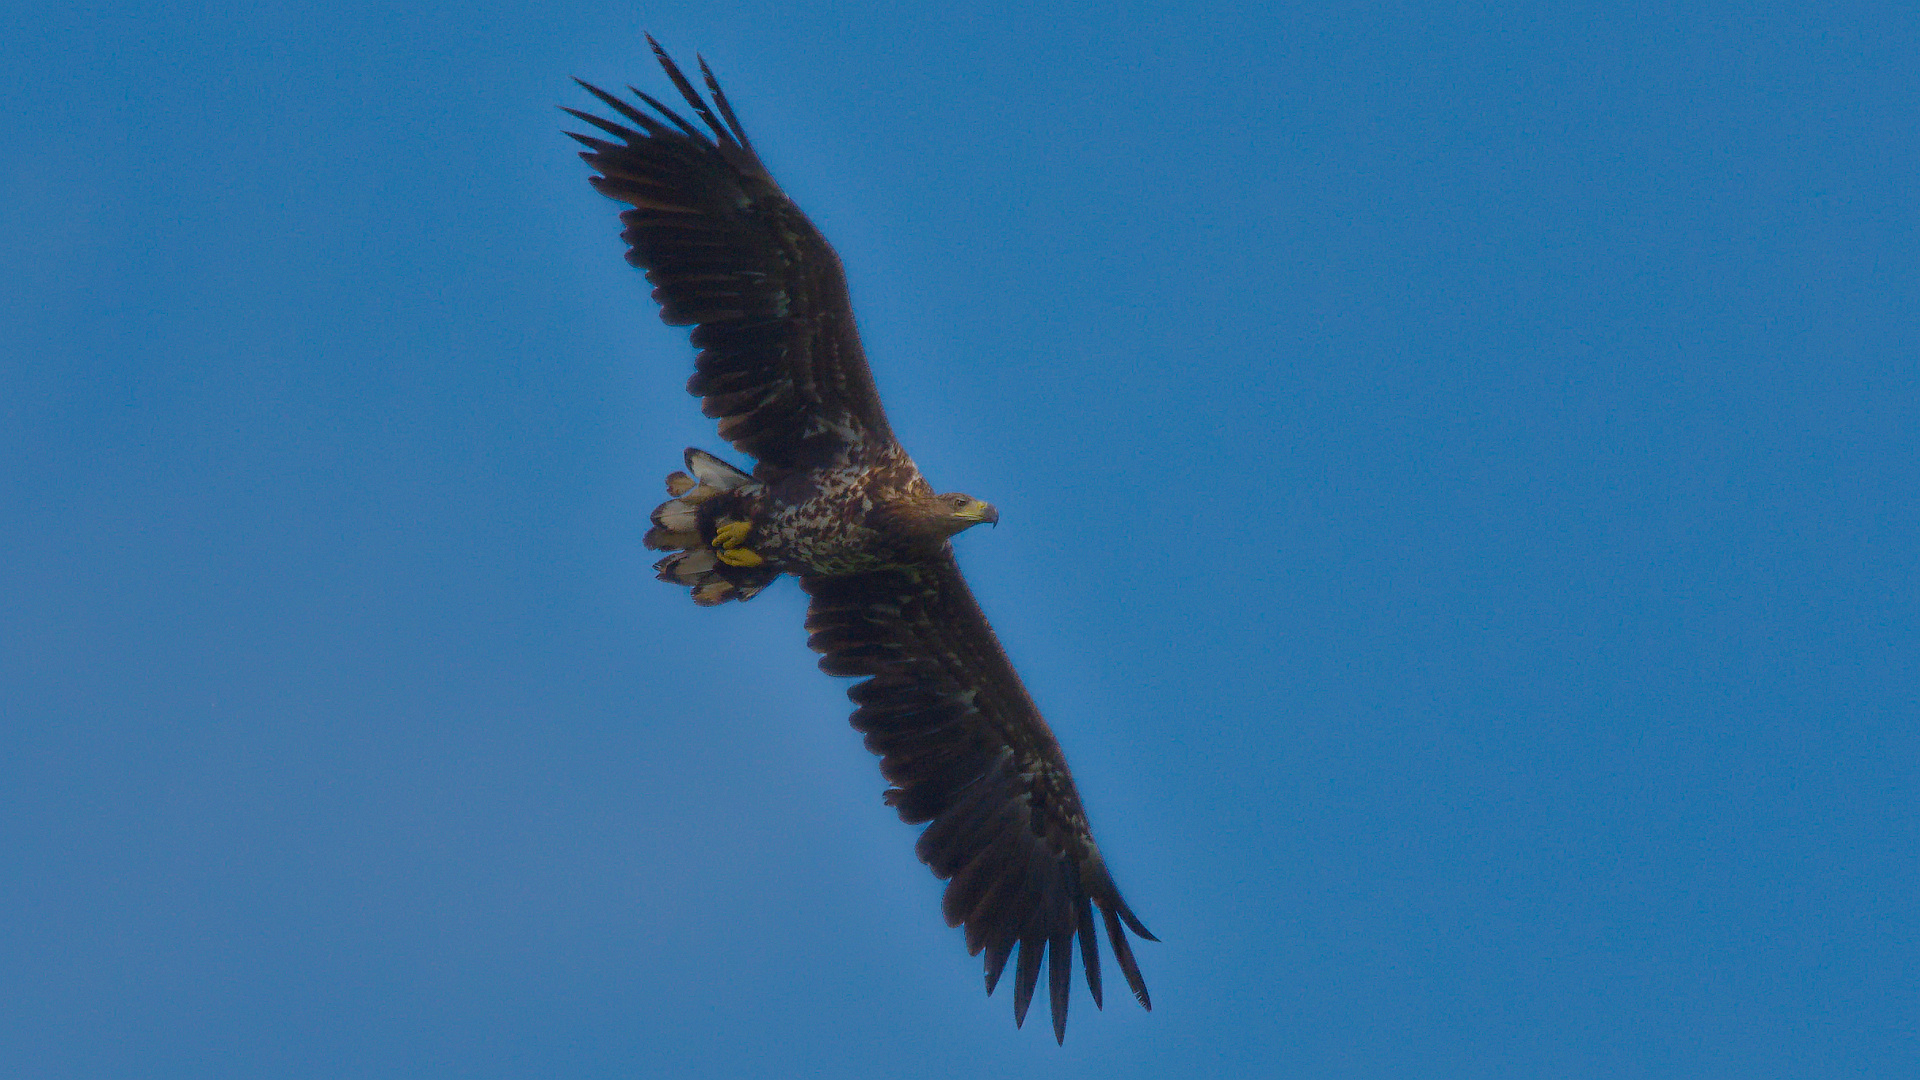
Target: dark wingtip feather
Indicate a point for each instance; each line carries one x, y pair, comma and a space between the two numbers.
1026, 977
1133, 924
1090, 951
726, 108
997, 953
1123, 955
607, 126
693, 99
679, 121
1059, 981
647, 123
659, 53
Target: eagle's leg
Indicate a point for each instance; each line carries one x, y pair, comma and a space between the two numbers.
730, 540
742, 557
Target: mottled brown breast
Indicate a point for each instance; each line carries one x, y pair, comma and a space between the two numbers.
844, 519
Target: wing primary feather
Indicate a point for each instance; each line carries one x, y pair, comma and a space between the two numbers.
997, 952
647, 123
1090, 950
679, 121
1042, 896
1123, 955
1059, 979
1133, 924
726, 108
607, 126
1026, 976
694, 101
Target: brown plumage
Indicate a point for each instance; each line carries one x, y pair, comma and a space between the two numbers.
835, 501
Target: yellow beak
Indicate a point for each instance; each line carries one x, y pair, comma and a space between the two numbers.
978, 512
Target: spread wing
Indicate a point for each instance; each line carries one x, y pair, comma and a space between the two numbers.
780, 364
967, 752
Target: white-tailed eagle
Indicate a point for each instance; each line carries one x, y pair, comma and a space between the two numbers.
835, 501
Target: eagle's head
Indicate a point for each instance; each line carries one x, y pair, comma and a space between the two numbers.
954, 513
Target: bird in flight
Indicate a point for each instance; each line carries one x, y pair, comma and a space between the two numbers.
834, 500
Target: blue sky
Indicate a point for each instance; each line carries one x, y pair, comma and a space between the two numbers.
1456, 465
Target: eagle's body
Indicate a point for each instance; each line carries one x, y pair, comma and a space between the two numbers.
844, 518
836, 501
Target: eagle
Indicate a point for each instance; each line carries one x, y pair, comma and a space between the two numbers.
834, 500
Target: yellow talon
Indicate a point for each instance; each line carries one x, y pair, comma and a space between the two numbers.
732, 536
739, 556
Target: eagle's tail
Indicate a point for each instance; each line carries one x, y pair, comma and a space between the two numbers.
694, 561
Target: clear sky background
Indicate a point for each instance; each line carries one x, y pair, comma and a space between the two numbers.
1457, 467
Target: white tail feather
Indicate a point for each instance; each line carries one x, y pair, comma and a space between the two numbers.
711, 470
677, 516
695, 562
